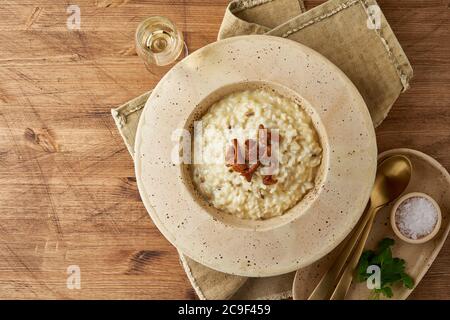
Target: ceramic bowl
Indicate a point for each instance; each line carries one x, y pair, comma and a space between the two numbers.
399, 234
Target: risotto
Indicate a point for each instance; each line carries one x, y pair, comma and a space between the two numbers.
231, 128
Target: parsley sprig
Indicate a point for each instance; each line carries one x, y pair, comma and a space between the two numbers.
392, 269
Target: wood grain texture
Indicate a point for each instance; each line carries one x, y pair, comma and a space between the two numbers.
68, 194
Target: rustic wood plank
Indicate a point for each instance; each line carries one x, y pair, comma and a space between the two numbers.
67, 189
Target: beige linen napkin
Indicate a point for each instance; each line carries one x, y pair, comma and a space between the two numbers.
355, 36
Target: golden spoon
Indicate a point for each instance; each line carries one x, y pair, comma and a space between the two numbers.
393, 175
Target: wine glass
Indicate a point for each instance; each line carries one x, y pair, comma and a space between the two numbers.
159, 43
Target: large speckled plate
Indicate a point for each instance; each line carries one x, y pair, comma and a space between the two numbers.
313, 227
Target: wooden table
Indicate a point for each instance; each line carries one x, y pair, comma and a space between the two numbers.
68, 193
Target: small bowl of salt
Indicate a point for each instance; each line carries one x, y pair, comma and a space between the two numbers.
416, 218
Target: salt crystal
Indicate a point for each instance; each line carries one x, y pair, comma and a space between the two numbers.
416, 217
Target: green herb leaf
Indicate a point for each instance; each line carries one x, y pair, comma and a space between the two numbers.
361, 271
408, 282
386, 291
392, 269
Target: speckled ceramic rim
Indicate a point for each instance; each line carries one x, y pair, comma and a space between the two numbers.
399, 234
323, 223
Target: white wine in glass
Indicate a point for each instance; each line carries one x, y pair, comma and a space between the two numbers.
158, 42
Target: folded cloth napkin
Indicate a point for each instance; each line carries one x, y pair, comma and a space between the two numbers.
356, 37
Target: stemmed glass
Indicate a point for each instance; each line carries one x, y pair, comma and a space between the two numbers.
159, 43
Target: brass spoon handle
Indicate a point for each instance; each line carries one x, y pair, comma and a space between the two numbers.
344, 283
327, 284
